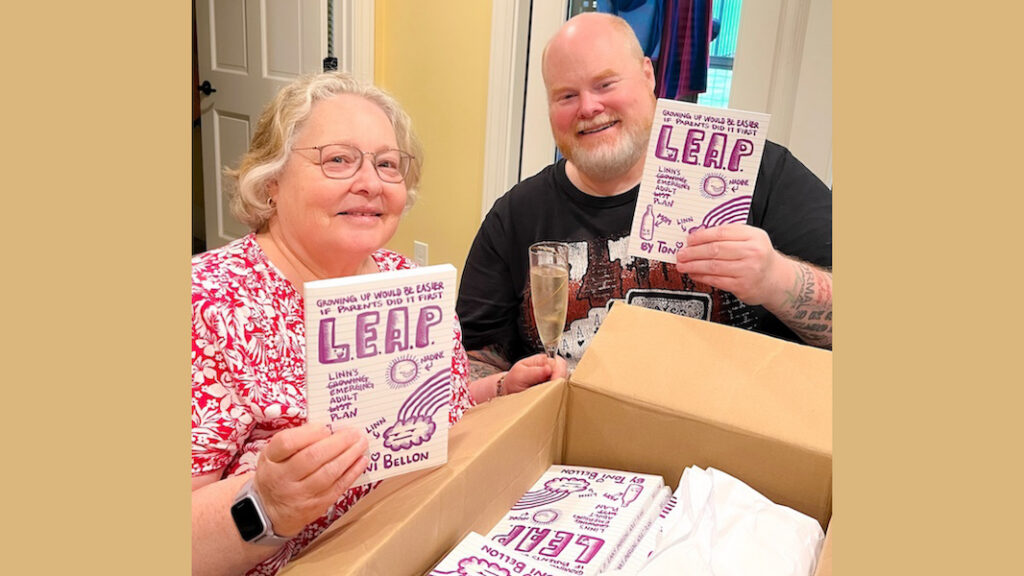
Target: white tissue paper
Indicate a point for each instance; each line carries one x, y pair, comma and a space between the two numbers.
720, 526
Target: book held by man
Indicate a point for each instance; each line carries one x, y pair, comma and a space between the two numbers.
699, 172
379, 357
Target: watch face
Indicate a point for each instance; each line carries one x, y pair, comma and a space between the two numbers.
247, 519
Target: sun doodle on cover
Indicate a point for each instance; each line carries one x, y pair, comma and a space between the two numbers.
414, 423
554, 490
402, 371
713, 185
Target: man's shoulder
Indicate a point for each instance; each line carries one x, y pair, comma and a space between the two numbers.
529, 195
778, 165
773, 153
540, 183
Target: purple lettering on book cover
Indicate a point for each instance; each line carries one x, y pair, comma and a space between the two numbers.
367, 332
532, 538
554, 490
699, 149
344, 387
414, 423
551, 543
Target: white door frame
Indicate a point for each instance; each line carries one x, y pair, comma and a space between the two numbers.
354, 32
518, 141
502, 138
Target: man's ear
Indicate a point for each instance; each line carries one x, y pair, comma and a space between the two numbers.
649, 72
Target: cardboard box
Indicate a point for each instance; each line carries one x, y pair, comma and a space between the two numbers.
653, 394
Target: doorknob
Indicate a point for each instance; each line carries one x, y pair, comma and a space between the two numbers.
206, 88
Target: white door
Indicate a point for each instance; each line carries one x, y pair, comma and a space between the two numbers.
248, 50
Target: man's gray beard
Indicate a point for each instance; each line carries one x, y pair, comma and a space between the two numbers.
609, 162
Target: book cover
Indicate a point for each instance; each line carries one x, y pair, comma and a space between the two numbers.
576, 518
475, 555
643, 527
699, 172
379, 357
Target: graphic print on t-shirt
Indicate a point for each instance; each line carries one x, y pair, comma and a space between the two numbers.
602, 273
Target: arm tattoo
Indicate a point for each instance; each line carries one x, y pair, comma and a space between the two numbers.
807, 309
486, 361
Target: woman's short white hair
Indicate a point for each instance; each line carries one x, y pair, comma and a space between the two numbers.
281, 121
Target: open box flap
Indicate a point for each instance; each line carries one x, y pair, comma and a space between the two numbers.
656, 392
732, 377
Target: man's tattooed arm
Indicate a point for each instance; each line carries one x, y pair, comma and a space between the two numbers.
486, 361
807, 307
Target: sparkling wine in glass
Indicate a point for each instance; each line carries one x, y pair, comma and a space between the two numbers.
549, 290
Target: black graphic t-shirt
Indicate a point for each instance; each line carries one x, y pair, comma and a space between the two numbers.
789, 203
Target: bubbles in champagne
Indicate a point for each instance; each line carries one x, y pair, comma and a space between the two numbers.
549, 290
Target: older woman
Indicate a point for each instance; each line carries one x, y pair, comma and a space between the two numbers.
332, 167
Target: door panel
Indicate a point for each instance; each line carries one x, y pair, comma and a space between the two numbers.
228, 17
248, 50
232, 134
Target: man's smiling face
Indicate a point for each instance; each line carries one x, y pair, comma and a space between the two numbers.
600, 98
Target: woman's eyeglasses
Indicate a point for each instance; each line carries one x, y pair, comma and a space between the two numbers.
341, 161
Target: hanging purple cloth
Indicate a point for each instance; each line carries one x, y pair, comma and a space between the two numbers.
682, 69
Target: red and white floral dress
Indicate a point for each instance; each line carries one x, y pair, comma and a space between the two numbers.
248, 368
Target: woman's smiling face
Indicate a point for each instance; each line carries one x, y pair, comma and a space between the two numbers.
320, 218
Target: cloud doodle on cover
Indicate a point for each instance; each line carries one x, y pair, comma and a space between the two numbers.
474, 566
414, 423
554, 490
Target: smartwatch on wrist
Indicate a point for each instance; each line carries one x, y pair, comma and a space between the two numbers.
251, 519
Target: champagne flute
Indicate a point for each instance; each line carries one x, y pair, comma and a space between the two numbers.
549, 291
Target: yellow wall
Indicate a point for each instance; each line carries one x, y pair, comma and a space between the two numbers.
434, 58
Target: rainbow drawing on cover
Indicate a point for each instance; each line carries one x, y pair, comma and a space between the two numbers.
414, 423
700, 170
379, 357
554, 490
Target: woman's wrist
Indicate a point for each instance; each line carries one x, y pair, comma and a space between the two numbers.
499, 386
